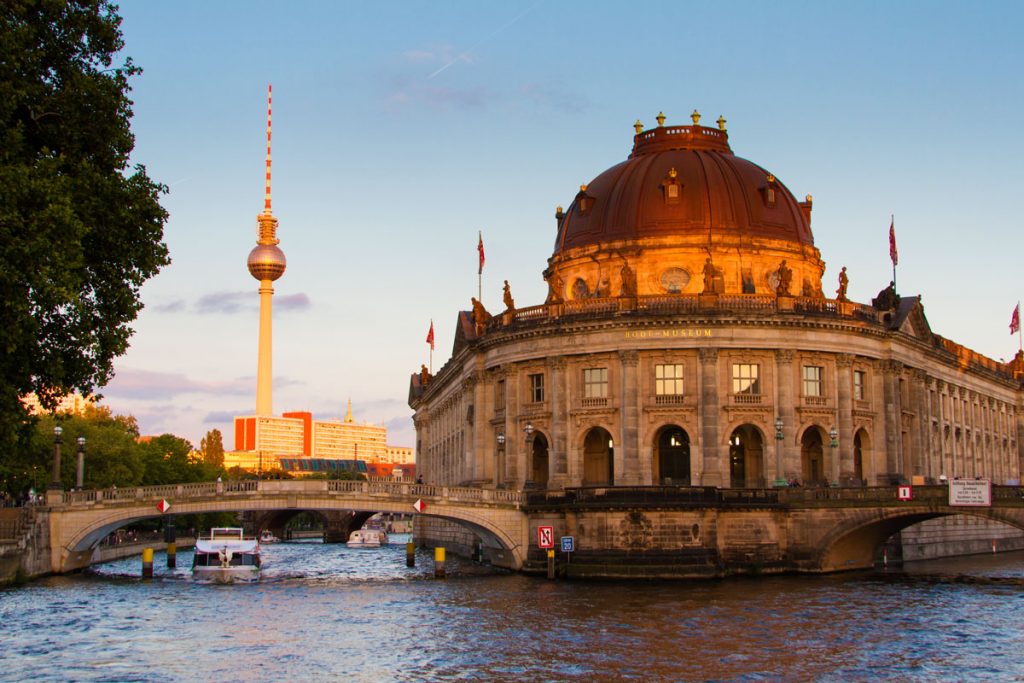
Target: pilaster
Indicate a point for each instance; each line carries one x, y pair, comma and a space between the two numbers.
710, 469
785, 400
629, 403
843, 470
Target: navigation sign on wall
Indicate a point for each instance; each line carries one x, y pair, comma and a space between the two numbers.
905, 493
568, 544
163, 506
545, 537
419, 505
970, 492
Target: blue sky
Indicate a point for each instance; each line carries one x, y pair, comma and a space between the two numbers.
402, 129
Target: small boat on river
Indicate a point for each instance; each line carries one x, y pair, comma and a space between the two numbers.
367, 538
226, 556
267, 536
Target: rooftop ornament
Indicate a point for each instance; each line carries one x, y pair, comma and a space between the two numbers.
638, 127
661, 118
721, 122
696, 117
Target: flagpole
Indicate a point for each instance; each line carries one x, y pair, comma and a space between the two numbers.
480, 270
892, 223
1020, 340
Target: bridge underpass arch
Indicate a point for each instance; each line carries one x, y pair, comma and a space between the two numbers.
854, 544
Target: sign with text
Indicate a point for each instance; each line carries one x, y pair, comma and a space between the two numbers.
970, 492
568, 544
545, 537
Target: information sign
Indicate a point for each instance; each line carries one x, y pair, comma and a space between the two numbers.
970, 492
545, 537
905, 493
568, 544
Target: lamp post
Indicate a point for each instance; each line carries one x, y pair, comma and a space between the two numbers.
833, 443
529, 431
80, 470
779, 436
55, 480
501, 442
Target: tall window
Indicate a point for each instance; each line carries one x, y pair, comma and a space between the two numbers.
499, 395
537, 388
745, 378
595, 383
859, 379
668, 380
812, 381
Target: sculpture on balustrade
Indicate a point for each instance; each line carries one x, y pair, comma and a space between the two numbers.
424, 376
628, 280
785, 280
711, 275
887, 299
555, 287
480, 316
843, 282
510, 304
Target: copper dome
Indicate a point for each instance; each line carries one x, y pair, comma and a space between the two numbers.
683, 181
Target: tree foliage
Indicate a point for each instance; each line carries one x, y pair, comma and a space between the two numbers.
212, 448
80, 232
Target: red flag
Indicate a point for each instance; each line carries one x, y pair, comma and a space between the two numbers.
480, 248
893, 254
430, 335
1015, 320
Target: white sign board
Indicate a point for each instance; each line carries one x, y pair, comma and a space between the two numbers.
545, 537
970, 492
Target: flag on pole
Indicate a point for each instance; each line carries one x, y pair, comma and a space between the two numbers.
480, 248
430, 335
893, 254
1015, 320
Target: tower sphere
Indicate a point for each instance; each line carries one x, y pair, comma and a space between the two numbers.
266, 262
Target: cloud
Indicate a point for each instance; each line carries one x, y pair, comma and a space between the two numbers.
150, 385
175, 306
225, 416
555, 96
229, 303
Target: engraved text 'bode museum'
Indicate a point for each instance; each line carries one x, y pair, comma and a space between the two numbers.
682, 332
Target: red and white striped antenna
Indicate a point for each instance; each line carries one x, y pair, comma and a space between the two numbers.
266, 200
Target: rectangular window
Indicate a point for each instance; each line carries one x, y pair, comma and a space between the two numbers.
745, 378
812, 380
859, 379
668, 380
537, 388
499, 395
595, 383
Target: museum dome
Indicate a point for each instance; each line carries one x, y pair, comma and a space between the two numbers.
684, 215
683, 181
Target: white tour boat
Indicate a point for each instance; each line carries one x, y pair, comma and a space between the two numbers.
367, 538
226, 556
267, 536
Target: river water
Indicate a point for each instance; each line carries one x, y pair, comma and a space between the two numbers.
332, 613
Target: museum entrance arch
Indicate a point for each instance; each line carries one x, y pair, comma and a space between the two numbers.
746, 457
672, 458
539, 460
598, 458
812, 457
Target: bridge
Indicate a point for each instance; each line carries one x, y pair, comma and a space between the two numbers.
619, 531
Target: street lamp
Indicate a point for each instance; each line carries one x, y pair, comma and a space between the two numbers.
833, 443
779, 436
80, 470
501, 442
55, 480
834, 435
529, 430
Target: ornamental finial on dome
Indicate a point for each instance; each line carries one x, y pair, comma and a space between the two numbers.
639, 127
721, 122
696, 117
661, 118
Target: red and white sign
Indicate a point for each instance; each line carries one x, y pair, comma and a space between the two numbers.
545, 537
419, 505
905, 493
163, 506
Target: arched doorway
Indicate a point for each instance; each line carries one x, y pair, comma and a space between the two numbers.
539, 460
746, 457
672, 461
812, 457
861, 445
598, 458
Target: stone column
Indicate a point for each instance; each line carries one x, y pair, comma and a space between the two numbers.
475, 448
891, 370
940, 387
559, 448
629, 407
919, 397
785, 407
711, 461
843, 469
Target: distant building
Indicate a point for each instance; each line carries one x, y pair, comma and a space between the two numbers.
73, 404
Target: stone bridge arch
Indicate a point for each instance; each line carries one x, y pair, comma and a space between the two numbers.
853, 541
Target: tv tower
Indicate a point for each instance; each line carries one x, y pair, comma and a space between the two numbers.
266, 264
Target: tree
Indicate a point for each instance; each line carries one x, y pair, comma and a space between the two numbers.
212, 448
79, 231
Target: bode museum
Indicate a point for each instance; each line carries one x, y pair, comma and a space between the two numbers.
688, 339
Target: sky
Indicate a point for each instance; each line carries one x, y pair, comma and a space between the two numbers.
401, 130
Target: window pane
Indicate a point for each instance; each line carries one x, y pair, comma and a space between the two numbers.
668, 380
595, 383
745, 378
812, 380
